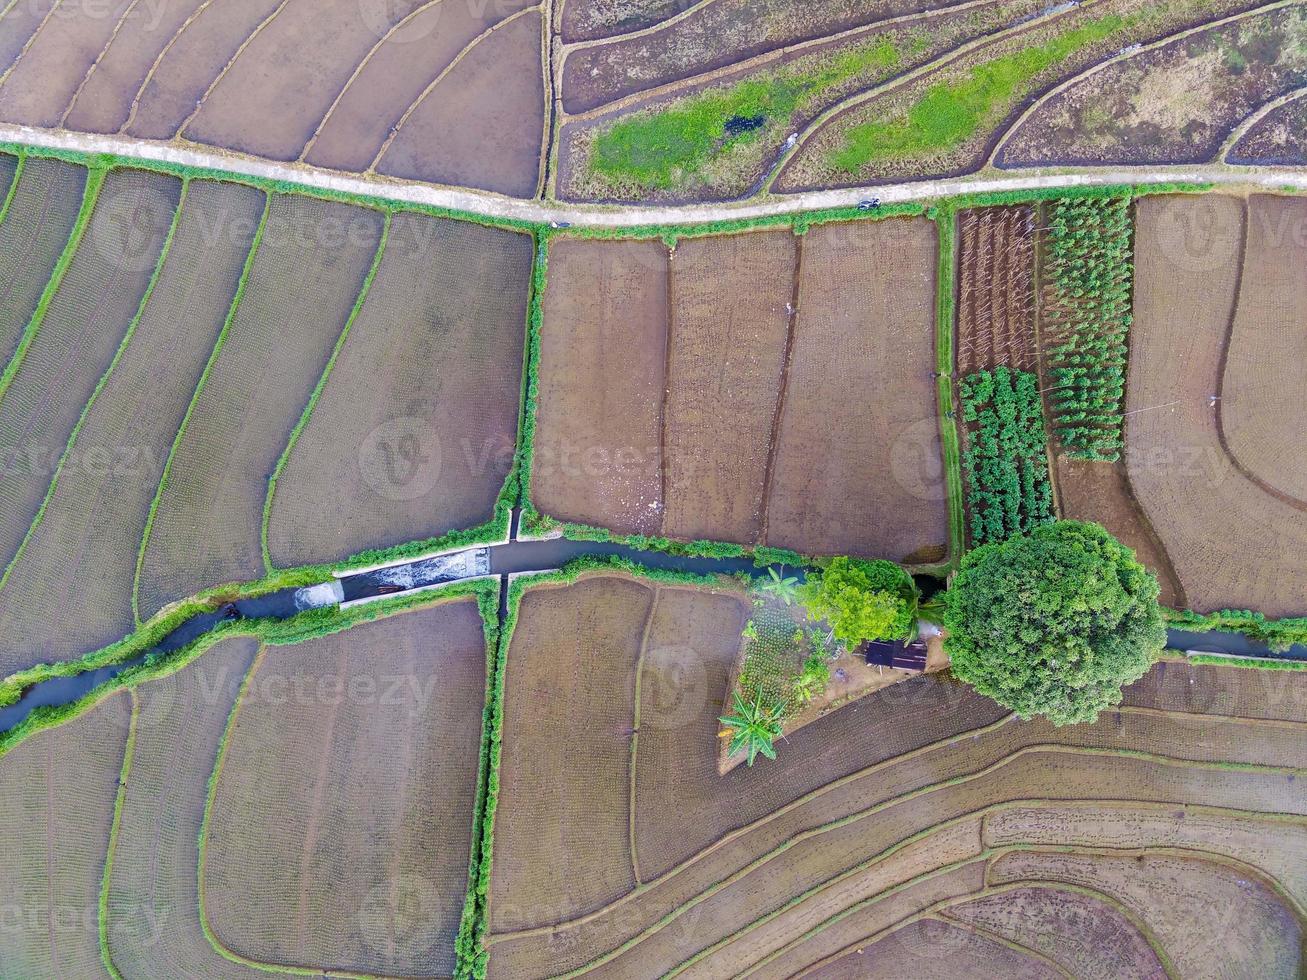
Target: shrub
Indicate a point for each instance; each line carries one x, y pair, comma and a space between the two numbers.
861, 600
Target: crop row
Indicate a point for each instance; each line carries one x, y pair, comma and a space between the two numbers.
1087, 277
1006, 459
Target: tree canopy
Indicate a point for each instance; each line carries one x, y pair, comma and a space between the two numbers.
1054, 623
861, 600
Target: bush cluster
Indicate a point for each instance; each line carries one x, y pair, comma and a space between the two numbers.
1089, 273
1006, 460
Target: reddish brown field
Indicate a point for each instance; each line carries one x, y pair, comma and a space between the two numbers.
1266, 363
341, 813
729, 336
857, 456
743, 442
598, 451
1233, 540
871, 815
996, 293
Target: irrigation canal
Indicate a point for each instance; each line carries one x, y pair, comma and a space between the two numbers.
510, 558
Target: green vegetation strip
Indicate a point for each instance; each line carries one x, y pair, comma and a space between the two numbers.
1278, 634
661, 149
13, 185
99, 387
94, 181
1258, 663
945, 313
103, 914
1007, 454
949, 113
1089, 276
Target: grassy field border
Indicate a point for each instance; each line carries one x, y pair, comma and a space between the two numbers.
945, 357
303, 420
19, 167
90, 195
99, 387
102, 907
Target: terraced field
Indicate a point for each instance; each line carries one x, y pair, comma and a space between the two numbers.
687, 392
180, 404
919, 829
659, 101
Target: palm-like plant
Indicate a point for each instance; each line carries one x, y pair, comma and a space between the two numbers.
783, 587
754, 726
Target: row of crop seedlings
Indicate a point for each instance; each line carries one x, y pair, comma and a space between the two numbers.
1006, 460
1087, 284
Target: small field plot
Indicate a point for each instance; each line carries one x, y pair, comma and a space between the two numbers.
857, 465
341, 816
414, 433
152, 913
1173, 104
633, 855
34, 232
50, 607
598, 440
996, 288
1233, 536
1266, 364
757, 388
729, 337
483, 124
55, 815
76, 339
307, 273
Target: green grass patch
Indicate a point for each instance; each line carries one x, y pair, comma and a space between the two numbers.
949, 113
662, 149
1255, 663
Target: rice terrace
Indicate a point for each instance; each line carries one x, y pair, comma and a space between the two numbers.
706, 488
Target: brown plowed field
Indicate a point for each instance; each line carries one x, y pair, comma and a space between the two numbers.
1280, 138
598, 454
857, 456
1173, 104
1261, 409
1232, 541
341, 815
414, 432
393, 77
746, 444
996, 293
582, 20
943, 950
100, 505
483, 124
871, 814
55, 815
728, 340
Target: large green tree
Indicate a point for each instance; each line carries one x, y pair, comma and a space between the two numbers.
1054, 623
861, 600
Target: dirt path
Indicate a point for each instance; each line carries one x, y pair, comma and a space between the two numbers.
486, 204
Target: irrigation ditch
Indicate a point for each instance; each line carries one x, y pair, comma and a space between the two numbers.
513, 557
